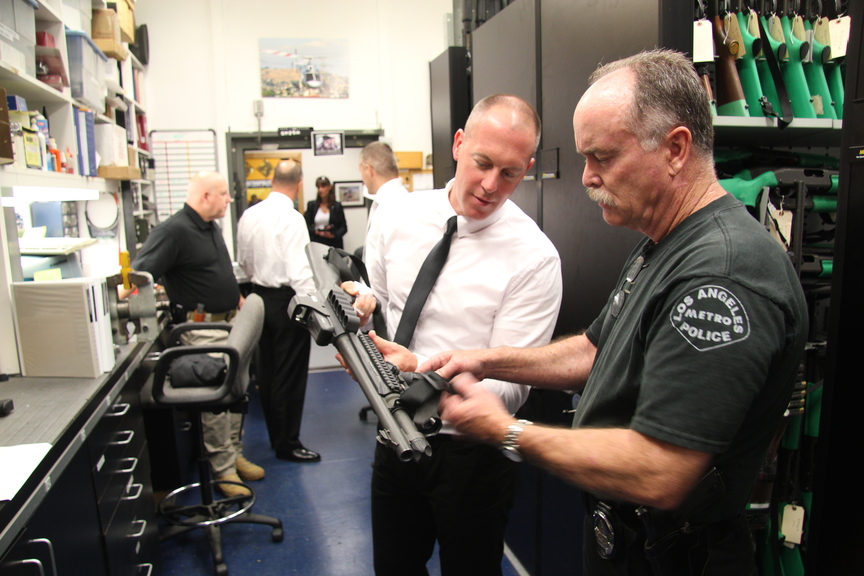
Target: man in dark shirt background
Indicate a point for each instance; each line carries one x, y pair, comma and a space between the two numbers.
188, 256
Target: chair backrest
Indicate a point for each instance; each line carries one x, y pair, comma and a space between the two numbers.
244, 337
239, 349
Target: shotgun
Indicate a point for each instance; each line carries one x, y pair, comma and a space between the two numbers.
793, 72
406, 403
730, 95
814, 72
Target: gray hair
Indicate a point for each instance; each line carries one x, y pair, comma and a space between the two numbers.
668, 93
380, 157
287, 173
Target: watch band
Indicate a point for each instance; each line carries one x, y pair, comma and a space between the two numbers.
510, 446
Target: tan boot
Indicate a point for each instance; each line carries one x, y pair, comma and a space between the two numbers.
247, 470
231, 490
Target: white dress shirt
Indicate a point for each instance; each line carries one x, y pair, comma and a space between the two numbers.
500, 286
271, 241
388, 192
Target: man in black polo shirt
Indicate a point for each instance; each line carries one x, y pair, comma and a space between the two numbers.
188, 256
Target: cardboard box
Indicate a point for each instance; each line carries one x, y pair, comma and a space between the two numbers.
119, 172
7, 156
106, 34
409, 160
126, 14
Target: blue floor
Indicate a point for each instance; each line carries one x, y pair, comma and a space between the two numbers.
324, 506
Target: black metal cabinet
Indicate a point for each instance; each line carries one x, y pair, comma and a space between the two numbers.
835, 526
63, 536
120, 463
98, 518
544, 51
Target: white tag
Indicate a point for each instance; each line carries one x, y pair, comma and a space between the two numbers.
798, 28
703, 41
783, 221
775, 28
822, 32
753, 23
9, 33
840, 36
793, 523
771, 226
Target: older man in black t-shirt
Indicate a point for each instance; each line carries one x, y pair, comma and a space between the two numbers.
188, 256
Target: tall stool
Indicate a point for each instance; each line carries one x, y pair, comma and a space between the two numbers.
197, 390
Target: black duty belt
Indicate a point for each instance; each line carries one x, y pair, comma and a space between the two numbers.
616, 525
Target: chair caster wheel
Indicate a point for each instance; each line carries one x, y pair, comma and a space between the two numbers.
221, 570
278, 535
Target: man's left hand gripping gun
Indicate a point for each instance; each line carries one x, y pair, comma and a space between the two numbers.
406, 403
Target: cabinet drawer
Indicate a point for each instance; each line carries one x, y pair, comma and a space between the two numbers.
132, 536
117, 469
125, 410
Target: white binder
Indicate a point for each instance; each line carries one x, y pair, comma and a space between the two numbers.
62, 328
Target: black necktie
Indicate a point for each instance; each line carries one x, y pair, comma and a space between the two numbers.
426, 278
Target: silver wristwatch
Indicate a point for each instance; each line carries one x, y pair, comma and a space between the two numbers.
510, 446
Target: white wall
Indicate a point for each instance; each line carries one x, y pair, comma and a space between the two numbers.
204, 68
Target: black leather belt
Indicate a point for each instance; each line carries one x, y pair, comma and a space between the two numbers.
210, 317
264, 290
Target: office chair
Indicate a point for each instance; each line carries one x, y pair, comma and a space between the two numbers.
187, 390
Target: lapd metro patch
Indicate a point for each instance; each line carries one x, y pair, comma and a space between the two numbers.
709, 317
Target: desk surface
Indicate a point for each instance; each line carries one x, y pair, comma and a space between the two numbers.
44, 407
60, 412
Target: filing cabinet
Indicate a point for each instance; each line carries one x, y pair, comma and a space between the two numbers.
98, 517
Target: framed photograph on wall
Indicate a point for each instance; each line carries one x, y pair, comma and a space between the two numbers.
328, 143
349, 193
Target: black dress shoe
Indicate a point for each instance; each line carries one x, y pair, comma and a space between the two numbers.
299, 455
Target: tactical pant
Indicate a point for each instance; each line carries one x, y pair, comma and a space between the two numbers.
221, 431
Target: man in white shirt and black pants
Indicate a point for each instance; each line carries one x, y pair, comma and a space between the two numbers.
271, 241
380, 174
500, 285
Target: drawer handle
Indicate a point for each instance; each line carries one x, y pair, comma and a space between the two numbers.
128, 438
119, 409
143, 524
148, 566
50, 548
133, 462
138, 487
30, 561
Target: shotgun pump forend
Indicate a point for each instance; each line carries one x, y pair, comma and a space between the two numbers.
406, 403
